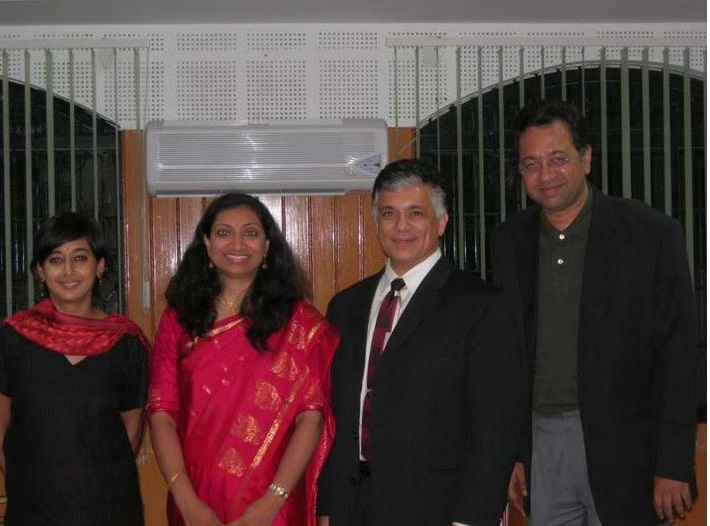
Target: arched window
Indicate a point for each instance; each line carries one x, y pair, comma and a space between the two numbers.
661, 181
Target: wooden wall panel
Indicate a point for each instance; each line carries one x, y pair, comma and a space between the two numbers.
165, 247
323, 260
296, 226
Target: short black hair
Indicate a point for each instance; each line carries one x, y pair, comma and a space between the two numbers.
544, 112
63, 228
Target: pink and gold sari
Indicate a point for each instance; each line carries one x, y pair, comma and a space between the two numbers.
235, 408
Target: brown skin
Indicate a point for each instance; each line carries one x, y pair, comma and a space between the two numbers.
407, 227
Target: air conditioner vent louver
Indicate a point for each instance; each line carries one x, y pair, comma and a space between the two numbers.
209, 158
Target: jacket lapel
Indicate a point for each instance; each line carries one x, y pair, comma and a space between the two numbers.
600, 263
424, 299
526, 265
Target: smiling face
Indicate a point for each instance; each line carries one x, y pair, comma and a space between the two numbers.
407, 226
237, 243
554, 171
69, 273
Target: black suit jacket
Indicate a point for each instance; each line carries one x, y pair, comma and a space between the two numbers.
637, 349
446, 405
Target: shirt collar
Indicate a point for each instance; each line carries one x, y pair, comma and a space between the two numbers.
412, 278
581, 223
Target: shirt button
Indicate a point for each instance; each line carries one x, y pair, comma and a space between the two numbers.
560, 261
562, 236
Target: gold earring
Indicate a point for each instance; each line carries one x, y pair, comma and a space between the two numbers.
264, 266
211, 265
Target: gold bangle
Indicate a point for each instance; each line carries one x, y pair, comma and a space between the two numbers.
170, 481
278, 490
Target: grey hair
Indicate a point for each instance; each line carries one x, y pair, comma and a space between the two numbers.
438, 195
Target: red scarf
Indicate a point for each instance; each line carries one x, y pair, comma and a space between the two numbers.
44, 325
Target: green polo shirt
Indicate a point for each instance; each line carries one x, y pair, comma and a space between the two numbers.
561, 268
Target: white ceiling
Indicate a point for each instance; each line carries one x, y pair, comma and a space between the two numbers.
78, 12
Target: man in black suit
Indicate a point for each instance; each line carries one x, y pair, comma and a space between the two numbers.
429, 437
603, 296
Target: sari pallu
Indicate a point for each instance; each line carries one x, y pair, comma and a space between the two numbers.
237, 409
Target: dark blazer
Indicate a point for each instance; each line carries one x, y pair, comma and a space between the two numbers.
446, 405
637, 350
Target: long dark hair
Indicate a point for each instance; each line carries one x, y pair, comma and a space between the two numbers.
63, 228
269, 302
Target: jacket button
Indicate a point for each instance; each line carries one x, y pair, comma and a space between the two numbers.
353, 481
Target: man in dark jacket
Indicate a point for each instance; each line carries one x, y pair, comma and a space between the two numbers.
604, 299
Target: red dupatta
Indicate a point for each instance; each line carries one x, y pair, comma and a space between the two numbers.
44, 325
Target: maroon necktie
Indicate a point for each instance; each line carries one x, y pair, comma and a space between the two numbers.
383, 326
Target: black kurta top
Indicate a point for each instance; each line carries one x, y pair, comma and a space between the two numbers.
68, 457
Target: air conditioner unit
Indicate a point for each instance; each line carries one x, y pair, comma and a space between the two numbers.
286, 157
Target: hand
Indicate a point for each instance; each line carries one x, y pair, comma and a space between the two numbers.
261, 512
323, 520
200, 514
671, 498
517, 488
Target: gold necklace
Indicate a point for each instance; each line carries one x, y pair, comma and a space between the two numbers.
233, 306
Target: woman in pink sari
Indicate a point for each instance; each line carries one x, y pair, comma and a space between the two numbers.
239, 397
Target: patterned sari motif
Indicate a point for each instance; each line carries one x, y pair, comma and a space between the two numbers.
235, 408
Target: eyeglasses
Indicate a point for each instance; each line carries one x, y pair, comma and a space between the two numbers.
533, 166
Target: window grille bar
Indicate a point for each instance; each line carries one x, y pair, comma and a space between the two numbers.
542, 72
461, 238
94, 133
563, 73
646, 122
481, 168
72, 131
521, 103
688, 222
136, 84
667, 194
7, 233
584, 83
396, 103
49, 93
417, 107
29, 176
604, 125
437, 83
501, 135
119, 186
625, 126
702, 236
